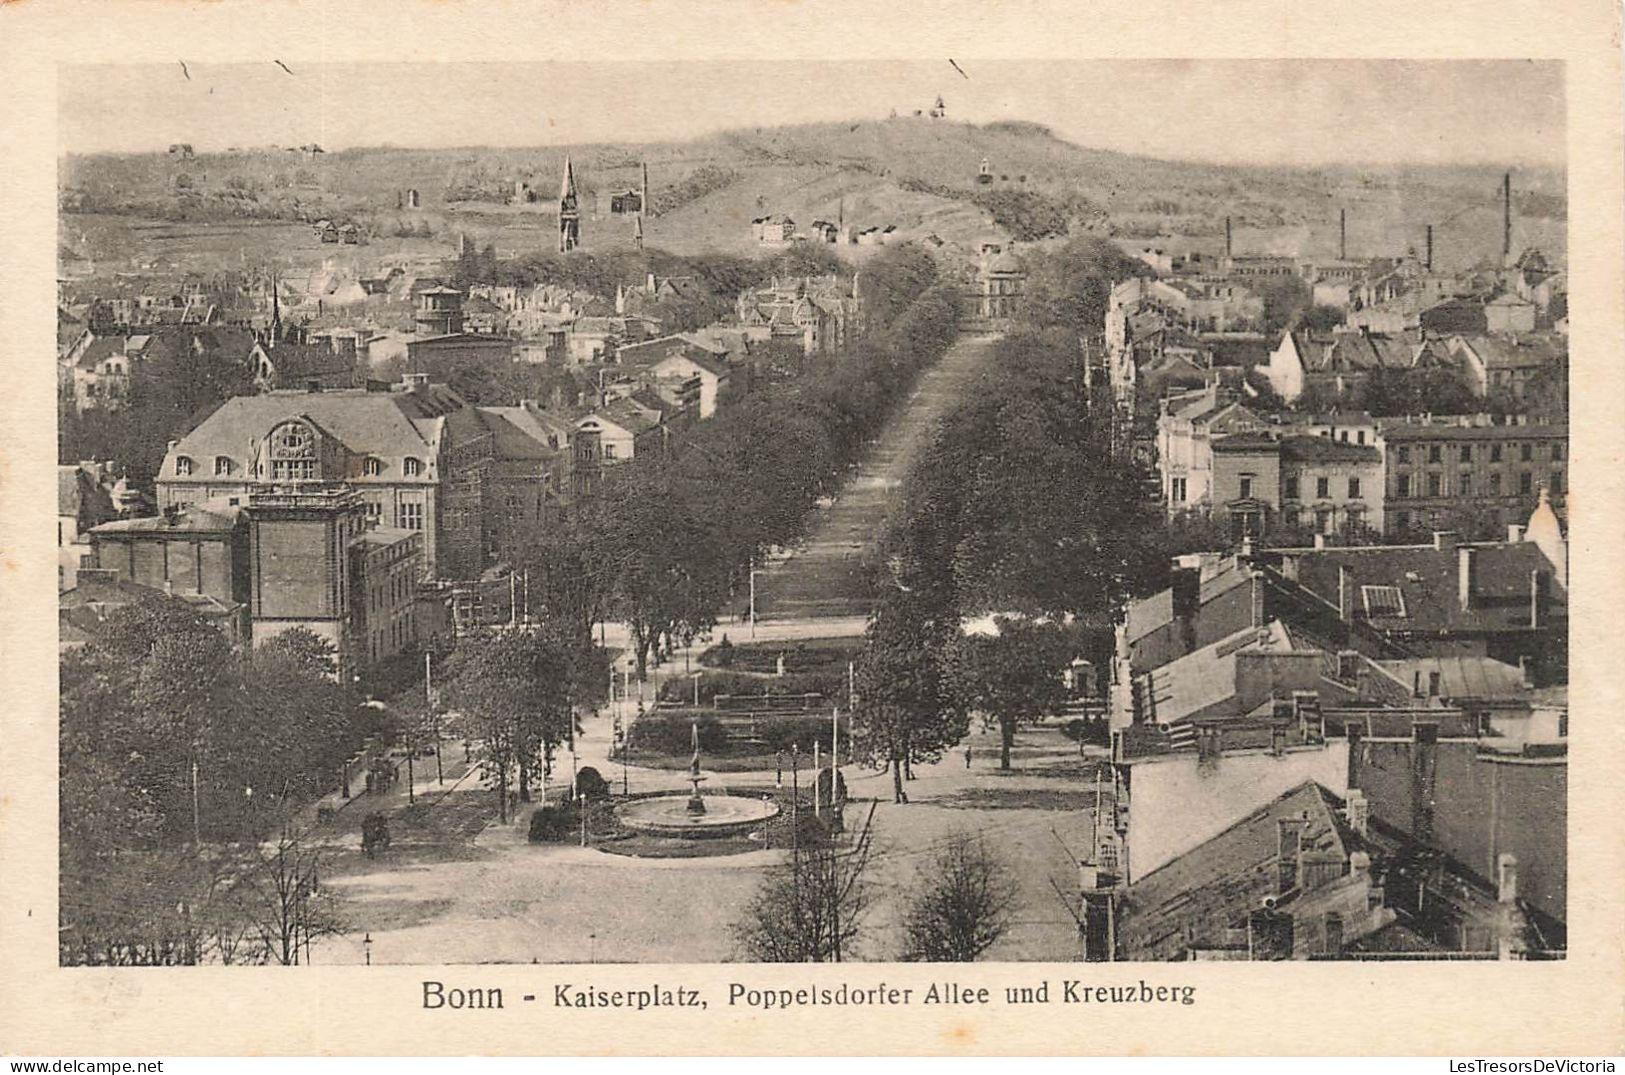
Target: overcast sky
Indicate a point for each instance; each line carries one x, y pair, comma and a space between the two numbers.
1293, 112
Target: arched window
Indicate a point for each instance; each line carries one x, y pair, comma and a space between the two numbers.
223, 465
413, 467
372, 468
183, 466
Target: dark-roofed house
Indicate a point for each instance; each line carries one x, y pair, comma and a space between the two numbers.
1506, 364
1336, 362
296, 364
419, 457
1505, 600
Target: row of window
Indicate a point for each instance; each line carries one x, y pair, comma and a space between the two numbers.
295, 469
1464, 452
1323, 488
1433, 484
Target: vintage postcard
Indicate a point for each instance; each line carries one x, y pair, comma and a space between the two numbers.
561, 514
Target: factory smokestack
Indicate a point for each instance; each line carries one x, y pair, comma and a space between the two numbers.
1506, 218
1342, 235
1428, 263
1228, 252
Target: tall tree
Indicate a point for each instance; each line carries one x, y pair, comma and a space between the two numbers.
906, 710
1013, 676
512, 689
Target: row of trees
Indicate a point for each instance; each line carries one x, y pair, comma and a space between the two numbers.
669, 537
1017, 508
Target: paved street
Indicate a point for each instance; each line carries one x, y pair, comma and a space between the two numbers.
501, 899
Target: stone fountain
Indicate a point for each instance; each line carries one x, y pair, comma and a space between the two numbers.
696, 815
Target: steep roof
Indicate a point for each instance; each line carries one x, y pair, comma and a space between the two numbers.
1157, 611
1193, 900
510, 441
1520, 353
1190, 687
384, 424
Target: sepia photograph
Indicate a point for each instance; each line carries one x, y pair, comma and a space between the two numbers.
784, 511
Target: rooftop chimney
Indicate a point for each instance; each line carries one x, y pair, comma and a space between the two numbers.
1506, 877
1289, 856
1539, 597
1514, 533
1526, 671
1358, 812
1466, 575
1345, 594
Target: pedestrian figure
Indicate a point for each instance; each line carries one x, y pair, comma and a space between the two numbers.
967, 755
778, 769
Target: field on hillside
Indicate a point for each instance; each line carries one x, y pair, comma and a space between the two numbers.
917, 174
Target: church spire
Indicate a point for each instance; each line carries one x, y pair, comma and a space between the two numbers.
569, 210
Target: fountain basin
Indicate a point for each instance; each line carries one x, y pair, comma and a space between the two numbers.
668, 815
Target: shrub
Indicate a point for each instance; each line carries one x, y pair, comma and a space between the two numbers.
590, 783
670, 733
554, 824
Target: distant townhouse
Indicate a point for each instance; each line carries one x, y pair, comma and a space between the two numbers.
1469, 474
1336, 363
1506, 364
1187, 428
611, 435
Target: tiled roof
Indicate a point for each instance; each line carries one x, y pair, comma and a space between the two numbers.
1524, 352
1326, 450
385, 424
1428, 579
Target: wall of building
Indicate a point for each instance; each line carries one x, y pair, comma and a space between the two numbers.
1481, 805
1177, 803
183, 563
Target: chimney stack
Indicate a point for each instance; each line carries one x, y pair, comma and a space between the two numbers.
1228, 249
1345, 595
1514, 533
1428, 263
1289, 856
1342, 235
1506, 218
1466, 575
